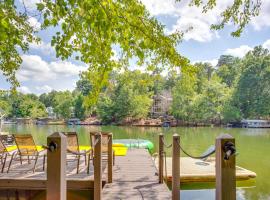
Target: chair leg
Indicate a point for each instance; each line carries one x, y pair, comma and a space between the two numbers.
34, 169
3, 167
78, 164
11, 159
85, 158
28, 160
88, 164
44, 161
21, 159
2, 158
113, 158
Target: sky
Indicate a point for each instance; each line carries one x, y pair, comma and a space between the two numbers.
42, 72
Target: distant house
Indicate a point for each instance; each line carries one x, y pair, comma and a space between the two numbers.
161, 103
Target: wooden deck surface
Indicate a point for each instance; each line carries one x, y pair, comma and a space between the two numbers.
135, 177
22, 176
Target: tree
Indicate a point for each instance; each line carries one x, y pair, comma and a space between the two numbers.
15, 35
48, 99
89, 29
252, 93
63, 104
183, 95
105, 109
84, 85
229, 69
79, 109
25, 106
130, 97
208, 105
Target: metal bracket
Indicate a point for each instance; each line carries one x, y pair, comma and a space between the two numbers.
229, 150
52, 146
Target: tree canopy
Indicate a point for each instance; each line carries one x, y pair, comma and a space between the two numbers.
91, 30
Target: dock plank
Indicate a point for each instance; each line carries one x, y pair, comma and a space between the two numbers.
135, 177
22, 177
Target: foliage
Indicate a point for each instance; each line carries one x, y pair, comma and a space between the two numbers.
48, 99
183, 97
15, 35
239, 13
229, 69
63, 104
129, 97
252, 93
79, 109
26, 106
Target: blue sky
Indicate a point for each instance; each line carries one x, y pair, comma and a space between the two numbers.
41, 71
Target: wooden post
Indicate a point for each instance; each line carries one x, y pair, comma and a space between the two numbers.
110, 158
176, 167
97, 167
160, 158
56, 167
225, 170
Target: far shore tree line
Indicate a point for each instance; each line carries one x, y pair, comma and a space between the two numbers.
235, 89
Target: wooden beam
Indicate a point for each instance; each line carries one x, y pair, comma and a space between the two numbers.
110, 158
225, 170
56, 167
161, 161
176, 167
97, 167
38, 184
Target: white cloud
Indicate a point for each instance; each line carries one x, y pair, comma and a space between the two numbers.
44, 89
156, 7
262, 20
30, 4
239, 51
35, 69
43, 47
192, 16
24, 90
213, 62
34, 23
266, 44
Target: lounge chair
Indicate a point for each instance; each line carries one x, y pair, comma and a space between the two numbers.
26, 148
104, 146
74, 148
4, 153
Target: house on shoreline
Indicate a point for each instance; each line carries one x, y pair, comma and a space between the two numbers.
161, 104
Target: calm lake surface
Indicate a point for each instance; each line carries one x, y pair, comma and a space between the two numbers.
253, 146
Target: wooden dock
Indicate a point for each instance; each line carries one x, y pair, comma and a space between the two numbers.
135, 177
22, 183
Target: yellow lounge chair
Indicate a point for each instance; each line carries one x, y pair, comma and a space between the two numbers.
26, 147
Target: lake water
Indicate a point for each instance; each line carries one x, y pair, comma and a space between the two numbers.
253, 146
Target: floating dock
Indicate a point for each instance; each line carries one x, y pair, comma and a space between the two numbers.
193, 170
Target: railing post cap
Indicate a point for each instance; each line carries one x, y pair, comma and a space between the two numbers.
160, 134
175, 135
224, 136
57, 135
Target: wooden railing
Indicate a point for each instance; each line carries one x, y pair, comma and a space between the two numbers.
56, 166
225, 166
